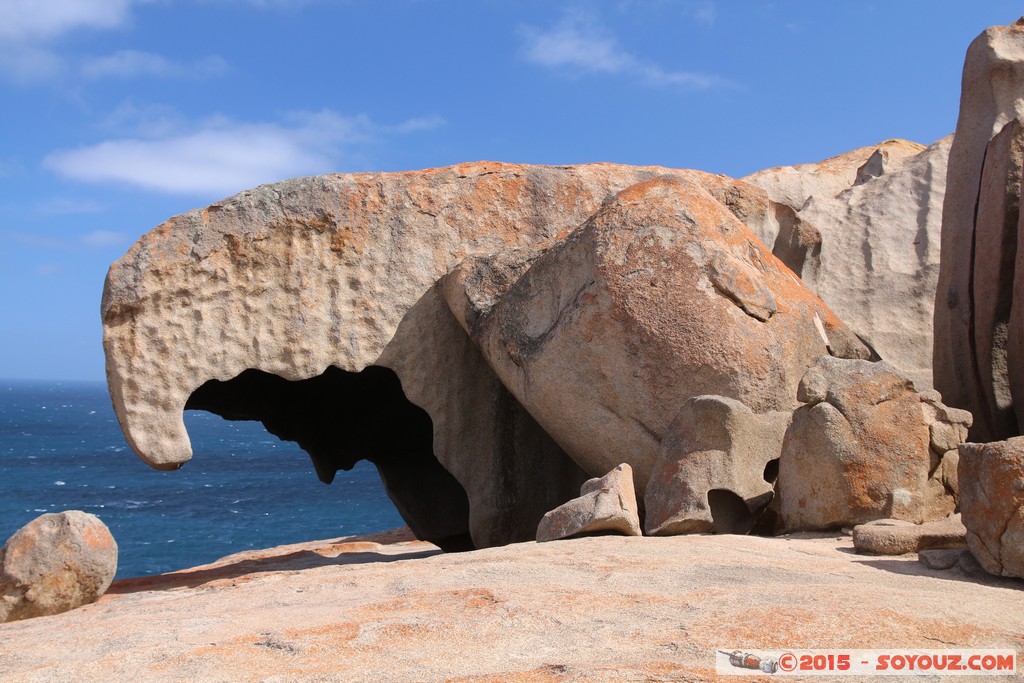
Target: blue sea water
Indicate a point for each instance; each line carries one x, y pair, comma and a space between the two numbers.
62, 449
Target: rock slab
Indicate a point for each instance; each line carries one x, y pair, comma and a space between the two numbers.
604, 609
992, 504
55, 563
899, 537
606, 505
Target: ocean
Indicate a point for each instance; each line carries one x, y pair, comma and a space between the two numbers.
62, 449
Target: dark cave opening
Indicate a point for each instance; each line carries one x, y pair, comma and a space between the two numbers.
340, 418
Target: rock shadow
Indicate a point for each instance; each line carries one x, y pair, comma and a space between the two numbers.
340, 418
243, 570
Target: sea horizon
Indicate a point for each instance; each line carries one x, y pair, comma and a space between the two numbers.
62, 449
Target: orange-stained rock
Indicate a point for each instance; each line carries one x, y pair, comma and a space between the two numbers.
992, 504
605, 505
860, 449
55, 563
662, 295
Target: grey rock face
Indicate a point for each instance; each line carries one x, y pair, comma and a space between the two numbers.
978, 275
605, 505
55, 563
876, 213
710, 475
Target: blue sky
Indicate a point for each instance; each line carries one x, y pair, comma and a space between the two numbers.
121, 113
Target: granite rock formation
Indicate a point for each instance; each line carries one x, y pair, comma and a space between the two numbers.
979, 319
992, 504
606, 505
315, 306
876, 216
716, 468
55, 563
290, 280
662, 295
861, 449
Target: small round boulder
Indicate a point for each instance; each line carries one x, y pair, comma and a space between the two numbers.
55, 563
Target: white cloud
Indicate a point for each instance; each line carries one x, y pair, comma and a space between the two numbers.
579, 43
104, 238
133, 64
221, 156
26, 21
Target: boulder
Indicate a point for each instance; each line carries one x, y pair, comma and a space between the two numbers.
877, 212
715, 470
978, 278
947, 429
313, 281
663, 294
55, 563
859, 449
899, 537
605, 506
992, 504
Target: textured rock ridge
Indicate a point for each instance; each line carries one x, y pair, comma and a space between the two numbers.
877, 214
977, 280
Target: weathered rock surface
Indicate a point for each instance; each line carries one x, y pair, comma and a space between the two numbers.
860, 449
604, 608
55, 563
898, 537
713, 472
877, 212
605, 505
947, 429
992, 504
662, 295
291, 279
979, 278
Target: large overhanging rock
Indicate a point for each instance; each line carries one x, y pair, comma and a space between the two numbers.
289, 280
662, 295
877, 212
978, 316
